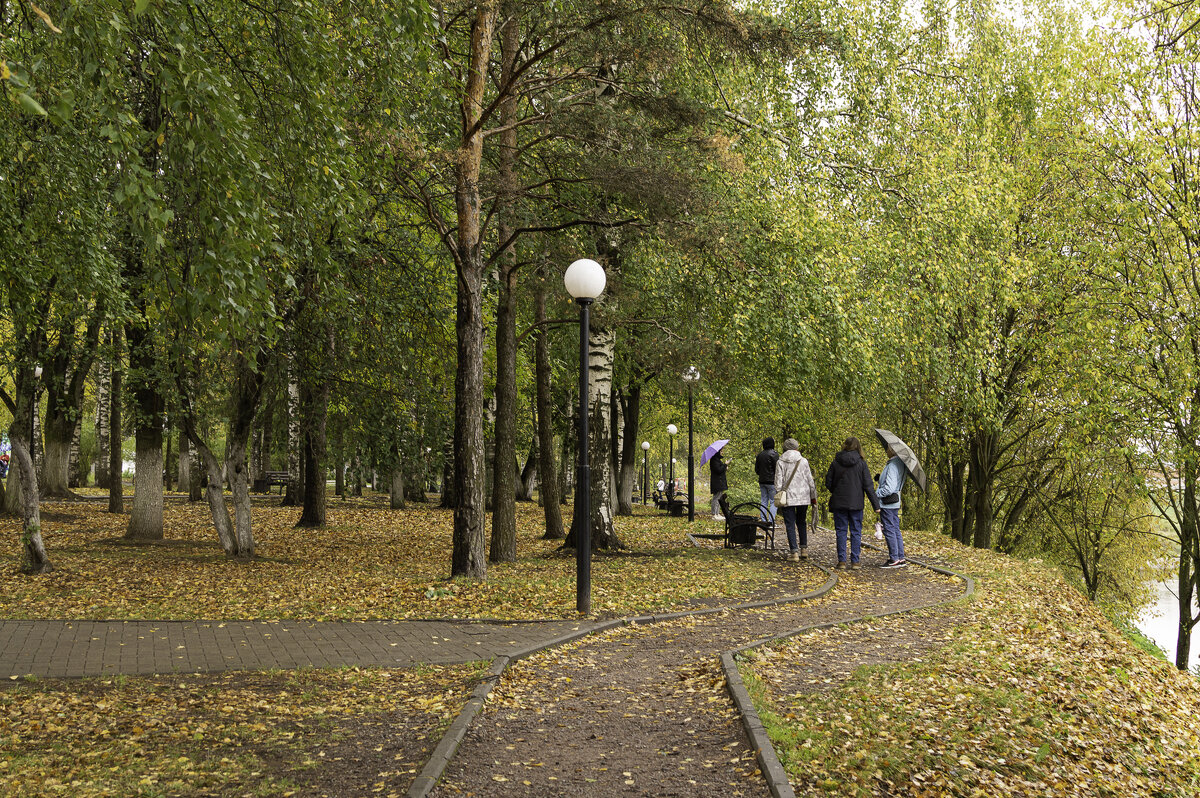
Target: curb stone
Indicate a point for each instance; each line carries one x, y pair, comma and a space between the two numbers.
444, 752
768, 759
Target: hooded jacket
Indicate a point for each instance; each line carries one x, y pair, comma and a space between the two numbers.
848, 480
803, 488
764, 466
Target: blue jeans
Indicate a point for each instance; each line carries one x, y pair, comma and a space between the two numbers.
848, 521
890, 518
793, 517
766, 497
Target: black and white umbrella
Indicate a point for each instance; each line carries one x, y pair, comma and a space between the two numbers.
905, 454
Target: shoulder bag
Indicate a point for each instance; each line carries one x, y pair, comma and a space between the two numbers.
783, 493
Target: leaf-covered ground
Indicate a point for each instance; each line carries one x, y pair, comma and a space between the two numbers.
349, 732
1027, 690
370, 563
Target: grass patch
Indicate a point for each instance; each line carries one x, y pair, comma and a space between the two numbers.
1036, 693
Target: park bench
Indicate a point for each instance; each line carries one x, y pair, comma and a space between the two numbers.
744, 525
272, 478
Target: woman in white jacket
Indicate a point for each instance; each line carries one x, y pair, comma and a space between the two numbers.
795, 489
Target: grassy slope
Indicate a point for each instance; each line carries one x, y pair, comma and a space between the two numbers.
1033, 693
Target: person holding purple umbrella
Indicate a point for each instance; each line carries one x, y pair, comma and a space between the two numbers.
718, 483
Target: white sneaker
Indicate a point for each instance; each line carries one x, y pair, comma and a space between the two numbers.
718, 518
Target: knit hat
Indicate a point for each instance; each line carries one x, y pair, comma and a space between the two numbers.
791, 445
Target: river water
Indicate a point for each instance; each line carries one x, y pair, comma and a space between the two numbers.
1159, 622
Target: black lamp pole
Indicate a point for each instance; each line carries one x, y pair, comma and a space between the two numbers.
583, 543
671, 467
691, 462
645, 473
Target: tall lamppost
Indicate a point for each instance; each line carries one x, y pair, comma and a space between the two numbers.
585, 281
672, 430
691, 375
645, 469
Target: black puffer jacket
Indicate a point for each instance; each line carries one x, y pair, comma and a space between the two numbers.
848, 480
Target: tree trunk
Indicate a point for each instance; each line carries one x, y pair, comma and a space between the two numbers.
339, 458
602, 345
34, 558
116, 464
397, 490
103, 416
56, 465
528, 474
185, 462
195, 484
146, 519
292, 493
216, 500
547, 469
504, 513
468, 556
1189, 559
415, 478
315, 407
239, 486
631, 408
569, 439
448, 474
69, 363
74, 478
167, 476
982, 480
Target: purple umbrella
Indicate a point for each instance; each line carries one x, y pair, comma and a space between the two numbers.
712, 449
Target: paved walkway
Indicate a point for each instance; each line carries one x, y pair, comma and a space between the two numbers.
100, 648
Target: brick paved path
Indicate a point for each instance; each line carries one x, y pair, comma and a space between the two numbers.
98, 648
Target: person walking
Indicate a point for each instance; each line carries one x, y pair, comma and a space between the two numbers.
848, 480
718, 483
795, 489
891, 482
764, 467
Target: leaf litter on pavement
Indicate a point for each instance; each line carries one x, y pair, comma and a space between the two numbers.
1025, 690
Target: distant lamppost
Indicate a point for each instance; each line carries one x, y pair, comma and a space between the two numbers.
672, 430
645, 469
691, 375
585, 281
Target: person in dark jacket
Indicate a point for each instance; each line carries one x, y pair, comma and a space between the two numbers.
764, 467
848, 480
718, 483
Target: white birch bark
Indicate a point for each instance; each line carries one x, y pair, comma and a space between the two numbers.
602, 345
103, 416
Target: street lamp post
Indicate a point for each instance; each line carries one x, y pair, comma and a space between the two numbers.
672, 430
691, 375
585, 281
645, 469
